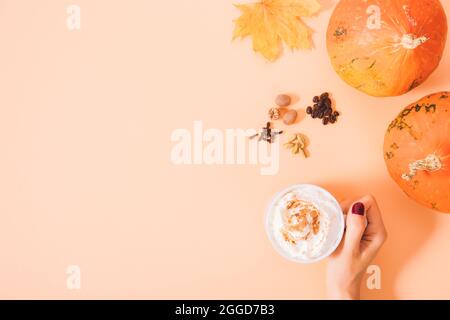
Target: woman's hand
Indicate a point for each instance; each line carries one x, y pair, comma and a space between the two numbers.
365, 234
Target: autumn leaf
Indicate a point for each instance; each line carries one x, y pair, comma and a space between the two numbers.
273, 22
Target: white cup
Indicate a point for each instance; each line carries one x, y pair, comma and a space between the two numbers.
326, 204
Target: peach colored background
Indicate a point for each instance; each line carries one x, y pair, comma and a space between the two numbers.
85, 171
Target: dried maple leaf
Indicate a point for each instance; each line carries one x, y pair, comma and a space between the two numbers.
271, 22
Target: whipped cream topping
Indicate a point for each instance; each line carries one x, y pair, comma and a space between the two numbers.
305, 224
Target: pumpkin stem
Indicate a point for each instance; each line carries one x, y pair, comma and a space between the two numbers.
430, 164
410, 41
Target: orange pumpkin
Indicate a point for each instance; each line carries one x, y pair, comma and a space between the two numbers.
386, 47
417, 151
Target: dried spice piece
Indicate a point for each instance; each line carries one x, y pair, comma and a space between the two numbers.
267, 134
297, 144
271, 22
290, 117
274, 114
283, 100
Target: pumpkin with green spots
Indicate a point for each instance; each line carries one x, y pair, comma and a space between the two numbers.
386, 47
417, 151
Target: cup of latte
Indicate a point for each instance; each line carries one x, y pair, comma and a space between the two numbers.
305, 223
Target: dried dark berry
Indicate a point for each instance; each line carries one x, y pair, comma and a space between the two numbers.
325, 120
316, 99
309, 110
316, 105
332, 120
321, 115
336, 114
324, 95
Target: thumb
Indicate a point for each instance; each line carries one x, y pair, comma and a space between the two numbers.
356, 225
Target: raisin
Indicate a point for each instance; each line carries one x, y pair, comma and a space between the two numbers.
324, 95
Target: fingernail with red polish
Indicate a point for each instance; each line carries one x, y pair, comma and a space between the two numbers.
358, 208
